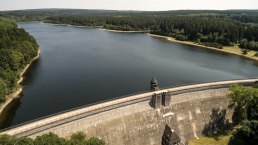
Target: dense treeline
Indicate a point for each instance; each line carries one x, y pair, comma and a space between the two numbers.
209, 27
245, 16
204, 30
51, 139
78, 20
17, 48
245, 102
211, 31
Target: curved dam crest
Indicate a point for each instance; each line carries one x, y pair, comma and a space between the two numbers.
141, 118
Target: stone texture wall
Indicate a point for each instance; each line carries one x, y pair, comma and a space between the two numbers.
134, 120
139, 124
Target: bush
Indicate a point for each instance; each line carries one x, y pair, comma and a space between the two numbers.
24, 141
51, 139
95, 141
243, 100
78, 138
181, 37
7, 140
243, 43
244, 51
246, 135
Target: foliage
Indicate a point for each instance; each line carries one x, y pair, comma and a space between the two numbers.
180, 37
51, 139
252, 108
244, 51
2, 90
243, 43
24, 141
95, 141
246, 135
78, 138
208, 27
251, 45
243, 99
17, 48
7, 140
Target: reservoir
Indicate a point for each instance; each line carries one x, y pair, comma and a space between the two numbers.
80, 66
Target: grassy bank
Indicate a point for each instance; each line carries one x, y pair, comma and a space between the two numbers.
221, 140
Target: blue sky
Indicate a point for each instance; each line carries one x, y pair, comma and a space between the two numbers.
154, 5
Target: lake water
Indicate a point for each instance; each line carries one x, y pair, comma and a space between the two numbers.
79, 66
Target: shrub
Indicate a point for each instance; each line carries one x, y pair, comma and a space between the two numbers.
180, 37
51, 139
244, 51
246, 135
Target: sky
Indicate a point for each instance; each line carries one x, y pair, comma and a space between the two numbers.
149, 5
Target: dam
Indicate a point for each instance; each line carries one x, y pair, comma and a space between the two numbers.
141, 118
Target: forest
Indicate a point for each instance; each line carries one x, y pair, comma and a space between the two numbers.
207, 27
17, 48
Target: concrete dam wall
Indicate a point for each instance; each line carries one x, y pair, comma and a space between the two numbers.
141, 119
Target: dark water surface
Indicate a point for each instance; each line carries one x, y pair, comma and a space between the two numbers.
79, 66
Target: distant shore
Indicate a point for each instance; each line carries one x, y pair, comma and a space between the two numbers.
119, 31
14, 95
69, 25
226, 49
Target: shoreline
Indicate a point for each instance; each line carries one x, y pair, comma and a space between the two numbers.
235, 50
14, 95
120, 31
69, 25
226, 49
